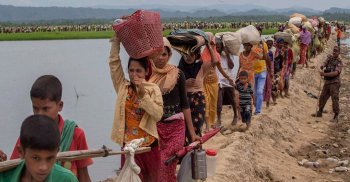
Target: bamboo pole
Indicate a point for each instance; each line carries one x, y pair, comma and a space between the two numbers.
83, 154
7, 165
75, 155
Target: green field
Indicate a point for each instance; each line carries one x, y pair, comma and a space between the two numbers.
84, 35
55, 35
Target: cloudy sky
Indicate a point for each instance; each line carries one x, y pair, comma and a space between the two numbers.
314, 4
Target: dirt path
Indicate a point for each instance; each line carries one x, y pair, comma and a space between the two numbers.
286, 133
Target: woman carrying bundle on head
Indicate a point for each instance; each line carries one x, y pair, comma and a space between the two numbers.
177, 114
139, 104
211, 80
305, 40
195, 69
270, 77
139, 107
281, 58
261, 71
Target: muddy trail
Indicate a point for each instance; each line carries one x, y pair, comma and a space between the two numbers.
336, 143
286, 134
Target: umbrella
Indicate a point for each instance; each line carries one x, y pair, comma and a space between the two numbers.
193, 145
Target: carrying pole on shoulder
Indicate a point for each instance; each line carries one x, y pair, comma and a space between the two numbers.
75, 155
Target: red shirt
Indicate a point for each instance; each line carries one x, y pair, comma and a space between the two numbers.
339, 33
78, 143
290, 56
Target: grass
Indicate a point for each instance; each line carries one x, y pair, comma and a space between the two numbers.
85, 35
55, 35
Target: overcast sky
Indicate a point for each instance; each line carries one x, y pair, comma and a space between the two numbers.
314, 4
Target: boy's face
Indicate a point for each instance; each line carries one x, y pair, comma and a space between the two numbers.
269, 44
243, 79
38, 163
47, 107
336, 52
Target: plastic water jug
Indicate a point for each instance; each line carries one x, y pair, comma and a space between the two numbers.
199, 164
211, 162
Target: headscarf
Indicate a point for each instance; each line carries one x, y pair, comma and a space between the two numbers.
280, 40
269, 39
305, 37
165, 78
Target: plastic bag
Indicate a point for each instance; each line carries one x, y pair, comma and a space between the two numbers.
314, 22
317, 42
296, 21
293, 28
303, 17
185, 171
131, 170
321, 20
284, 35
309, 27
249, 34
296, 50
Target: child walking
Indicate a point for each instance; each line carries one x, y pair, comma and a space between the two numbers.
246, 98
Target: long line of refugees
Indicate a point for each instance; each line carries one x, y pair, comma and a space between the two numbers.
108, 27
166, 105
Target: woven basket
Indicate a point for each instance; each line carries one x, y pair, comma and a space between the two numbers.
141, 34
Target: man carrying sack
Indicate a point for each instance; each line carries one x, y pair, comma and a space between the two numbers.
331, 73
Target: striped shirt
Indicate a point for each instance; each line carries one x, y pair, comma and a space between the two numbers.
244, 94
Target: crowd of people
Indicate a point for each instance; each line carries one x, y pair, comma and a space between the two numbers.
108, 27
168, 105
217, 25
53, 28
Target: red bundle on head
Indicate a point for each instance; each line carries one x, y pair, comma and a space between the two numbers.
140, 33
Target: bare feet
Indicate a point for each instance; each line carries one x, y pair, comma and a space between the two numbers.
317, 114
218, 124
234, 121
206, 129
334, 120
248, 126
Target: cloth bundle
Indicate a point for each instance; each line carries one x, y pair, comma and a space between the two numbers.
231, 40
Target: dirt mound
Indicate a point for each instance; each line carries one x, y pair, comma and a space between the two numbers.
285, 134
